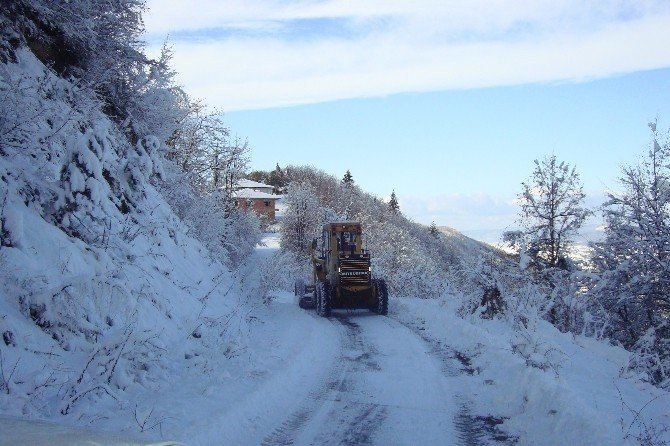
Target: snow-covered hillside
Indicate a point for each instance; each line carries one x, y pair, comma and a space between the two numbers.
93, 292
107, 301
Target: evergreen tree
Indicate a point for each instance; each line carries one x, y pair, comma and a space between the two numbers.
277, 179
433, 230
551, 213
394, 207
348, 179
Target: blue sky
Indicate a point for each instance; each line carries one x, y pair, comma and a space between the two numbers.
458, 157
446, 102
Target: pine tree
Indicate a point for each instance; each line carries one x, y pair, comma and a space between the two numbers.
433, 230
348, 179
394, 207
277, 179
551, 213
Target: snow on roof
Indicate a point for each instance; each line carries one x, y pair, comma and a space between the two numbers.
244, 184
253, 194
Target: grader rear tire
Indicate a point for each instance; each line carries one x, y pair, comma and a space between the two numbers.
382, 306
299, 288
322, 299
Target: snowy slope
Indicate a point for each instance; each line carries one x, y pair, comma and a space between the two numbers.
542, 386
106, 301
463, 247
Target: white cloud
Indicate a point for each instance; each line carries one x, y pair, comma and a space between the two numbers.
388, 47
485, 217
461, 211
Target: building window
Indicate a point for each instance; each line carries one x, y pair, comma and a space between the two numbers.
267, 203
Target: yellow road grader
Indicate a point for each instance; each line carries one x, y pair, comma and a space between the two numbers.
342, 275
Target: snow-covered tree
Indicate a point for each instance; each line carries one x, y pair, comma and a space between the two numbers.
634, 260
208, 164
203, 149
303, 218
99, 43
551, 213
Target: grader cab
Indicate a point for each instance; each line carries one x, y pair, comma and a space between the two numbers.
342, 275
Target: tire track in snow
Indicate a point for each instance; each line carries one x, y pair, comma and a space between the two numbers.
285, 434
359, 427
348, 423
476, 430
361, 420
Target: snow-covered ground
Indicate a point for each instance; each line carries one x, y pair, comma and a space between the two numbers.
422, 375
542, 386
426, 376
355, 378
16, 431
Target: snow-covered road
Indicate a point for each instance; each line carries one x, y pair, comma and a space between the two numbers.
354, 378
383, 388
